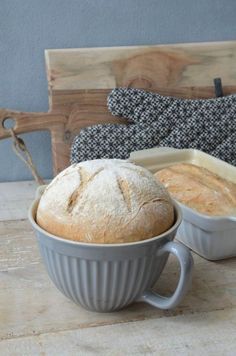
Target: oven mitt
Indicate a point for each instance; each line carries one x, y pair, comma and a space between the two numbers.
155, 120
107, 141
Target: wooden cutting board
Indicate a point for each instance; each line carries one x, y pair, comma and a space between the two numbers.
80, 79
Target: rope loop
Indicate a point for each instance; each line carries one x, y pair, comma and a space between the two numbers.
20, 149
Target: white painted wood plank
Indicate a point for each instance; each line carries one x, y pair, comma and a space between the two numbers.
211, 333
30, 304
15, 199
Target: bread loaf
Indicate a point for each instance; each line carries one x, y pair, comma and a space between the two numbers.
105, 201
199, 189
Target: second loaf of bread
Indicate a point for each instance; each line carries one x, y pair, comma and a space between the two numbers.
105, 201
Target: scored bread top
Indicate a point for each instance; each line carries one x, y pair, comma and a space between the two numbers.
105, 201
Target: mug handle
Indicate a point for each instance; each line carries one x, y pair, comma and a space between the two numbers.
186, 264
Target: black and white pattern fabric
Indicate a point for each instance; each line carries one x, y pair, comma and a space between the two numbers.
155, 120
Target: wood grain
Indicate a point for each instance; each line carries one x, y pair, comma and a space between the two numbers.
27, 122
79, 81
15, 199
15, 202
31, 305
179, 65
208, 334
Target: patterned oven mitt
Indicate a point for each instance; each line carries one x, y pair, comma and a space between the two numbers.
155, 120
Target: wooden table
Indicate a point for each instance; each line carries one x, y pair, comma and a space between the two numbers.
36, 319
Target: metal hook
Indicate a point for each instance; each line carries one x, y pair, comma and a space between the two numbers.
218, 87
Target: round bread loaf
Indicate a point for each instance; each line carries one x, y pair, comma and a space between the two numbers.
105, 201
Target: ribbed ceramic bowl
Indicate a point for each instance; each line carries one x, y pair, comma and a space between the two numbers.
109, 277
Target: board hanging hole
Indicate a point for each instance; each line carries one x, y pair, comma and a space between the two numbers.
8, 123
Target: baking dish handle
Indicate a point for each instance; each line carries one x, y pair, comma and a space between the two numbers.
151, 152
186, 264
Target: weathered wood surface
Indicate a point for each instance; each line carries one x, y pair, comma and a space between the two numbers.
15, 199
208, 334
14, 202
34, 314
36, 319
80, 79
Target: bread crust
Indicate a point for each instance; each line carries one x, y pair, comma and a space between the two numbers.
199, 189
105, 201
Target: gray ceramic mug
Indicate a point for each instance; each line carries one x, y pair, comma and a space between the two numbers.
108, 277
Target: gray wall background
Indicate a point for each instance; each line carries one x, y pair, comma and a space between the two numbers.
27, 27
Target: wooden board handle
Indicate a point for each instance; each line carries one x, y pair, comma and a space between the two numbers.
30, 121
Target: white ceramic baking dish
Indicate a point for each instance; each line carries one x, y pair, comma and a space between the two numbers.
213, 238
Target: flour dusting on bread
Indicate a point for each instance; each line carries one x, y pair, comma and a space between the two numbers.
105, 201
